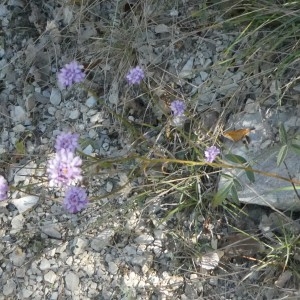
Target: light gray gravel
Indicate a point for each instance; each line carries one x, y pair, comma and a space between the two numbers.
114, 249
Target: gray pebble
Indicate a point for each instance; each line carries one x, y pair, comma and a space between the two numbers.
72, 281
55, 97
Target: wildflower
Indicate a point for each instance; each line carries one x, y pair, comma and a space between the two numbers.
211, 153
67, 141
64, 169
135, 75
178, 107
75, 199
71, 73
3, 188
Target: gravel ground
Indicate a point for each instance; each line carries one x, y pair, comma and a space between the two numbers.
114, 249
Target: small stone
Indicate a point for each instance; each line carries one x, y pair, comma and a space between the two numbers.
19, 114
50, 277
91, 102
74, 114
198, 80
112, 268
51, 110
55, 97
9, 287
88, 150
113, 97
109, 186
17, 223
89, 270
19, 128
275, 88
187, 69
174, 12
102, 239
30, 103
27, 202
96, 118
45, 264
20, 272
161, 28
79, 245
72, 281
26, 293
105, 146
138, 260
69, 261
203, 75
144, 239
207, 63
18, 257
251, 107
51, 231
54, 296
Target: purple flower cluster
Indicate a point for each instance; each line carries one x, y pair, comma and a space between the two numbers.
71, 73
64, 170
135, 75
3, 188
67, 141
178, 107
75, 199
211, 153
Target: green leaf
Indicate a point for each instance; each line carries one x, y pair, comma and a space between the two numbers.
237, 185
295, 148
250, 174
235, 158
234, 195
282, 135
282, 154
222, 194
20, 147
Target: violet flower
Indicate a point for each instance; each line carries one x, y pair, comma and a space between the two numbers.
75, 199
67, 141
135, 75
211, 153
64, 169
3, 188
71, 73
178, 107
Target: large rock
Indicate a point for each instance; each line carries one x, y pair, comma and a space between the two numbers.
272, 186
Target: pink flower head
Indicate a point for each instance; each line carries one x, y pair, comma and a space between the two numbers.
75, 199
178, 107
64, 169
67, 141
71, 73
3, 188
135, 75
211, 153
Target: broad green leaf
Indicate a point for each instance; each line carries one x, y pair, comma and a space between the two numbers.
282, 135
222, 194
250, 175
295, 148
20, 147
234, 195
235, 158
282, 154
237, 184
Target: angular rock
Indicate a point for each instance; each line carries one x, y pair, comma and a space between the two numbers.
72, 281
50, 277
102, 240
